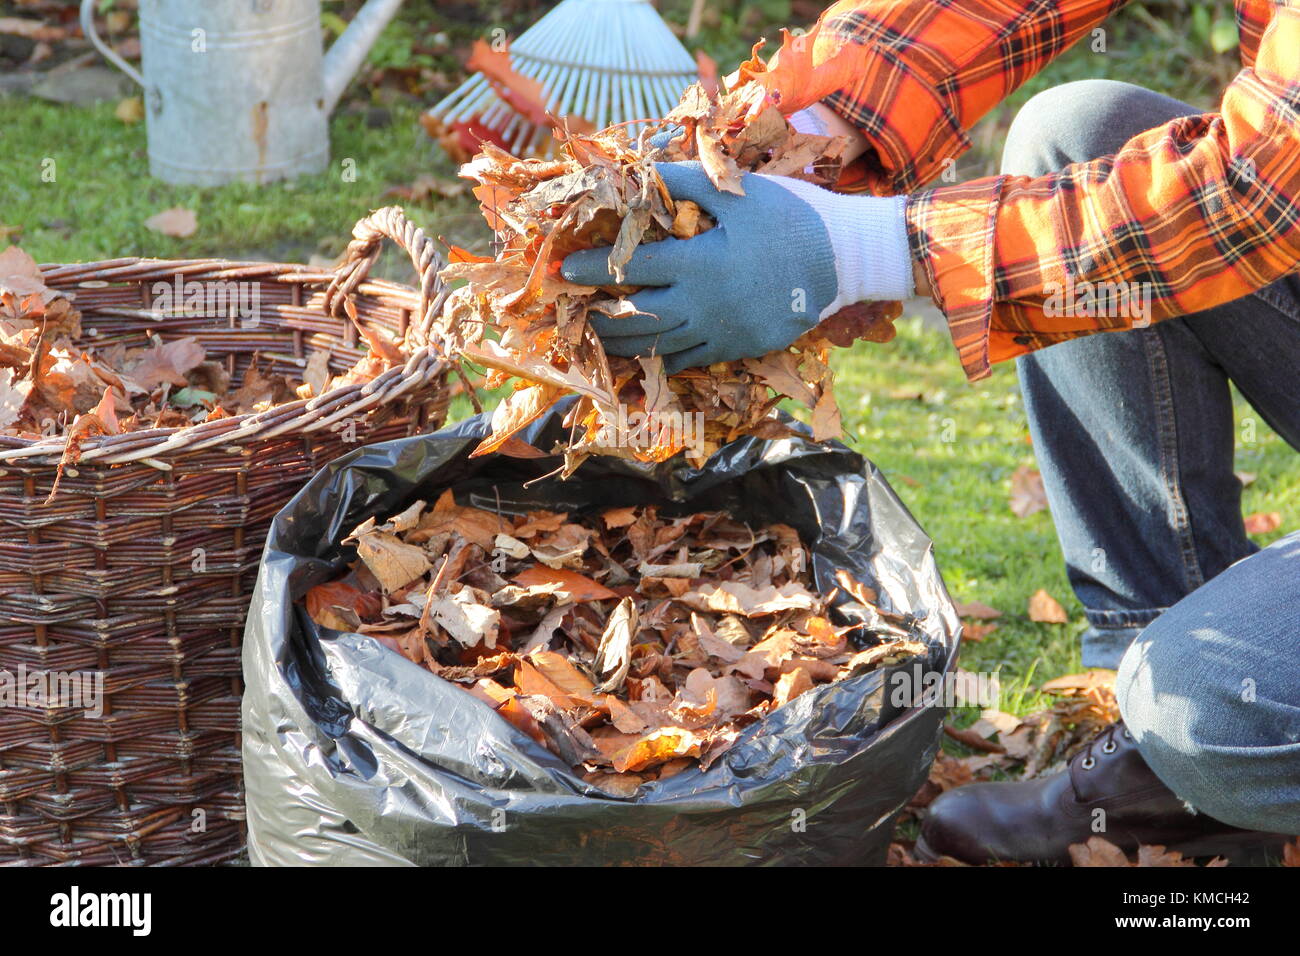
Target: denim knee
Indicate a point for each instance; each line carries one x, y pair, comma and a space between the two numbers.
1214, 718
1080, 121
1181, 716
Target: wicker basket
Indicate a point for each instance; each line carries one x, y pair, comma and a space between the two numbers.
141, 567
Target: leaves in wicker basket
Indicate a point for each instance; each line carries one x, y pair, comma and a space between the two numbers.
516, 315
632, 644
53, 383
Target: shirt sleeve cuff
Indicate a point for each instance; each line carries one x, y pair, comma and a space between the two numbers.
951, 231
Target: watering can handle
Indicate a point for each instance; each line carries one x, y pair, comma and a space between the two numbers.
88, 28
348, 52
368, 235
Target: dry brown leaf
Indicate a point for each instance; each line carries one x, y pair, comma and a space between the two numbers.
791, 684
1046, 609
325, 601
574, 587
978, 611
1263, 522
166, 363
466, 616
1097, 852
178, 222
392, 561
733, 597
1028, 495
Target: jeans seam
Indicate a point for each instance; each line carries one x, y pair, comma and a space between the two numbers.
1284, 304
1167, 439
1106, 620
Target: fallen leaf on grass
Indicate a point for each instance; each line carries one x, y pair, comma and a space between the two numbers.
978, 611
130, 110
1090, 680
972, 738
178, 222
1263, 522
1046, 609
1027, 493
974, 631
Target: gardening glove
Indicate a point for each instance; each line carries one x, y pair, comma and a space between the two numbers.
781, 258
664, 137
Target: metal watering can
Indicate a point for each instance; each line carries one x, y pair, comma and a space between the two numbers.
241, 89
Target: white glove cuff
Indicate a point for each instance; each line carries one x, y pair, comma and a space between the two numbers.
873, 259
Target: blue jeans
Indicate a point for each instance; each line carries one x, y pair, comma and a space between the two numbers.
1134, 436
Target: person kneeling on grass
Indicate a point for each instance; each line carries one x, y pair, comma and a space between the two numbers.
1104, 185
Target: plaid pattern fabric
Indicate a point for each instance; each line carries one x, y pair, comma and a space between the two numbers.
1186, 216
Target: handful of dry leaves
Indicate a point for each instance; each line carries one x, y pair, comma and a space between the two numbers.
631, 644
603, 190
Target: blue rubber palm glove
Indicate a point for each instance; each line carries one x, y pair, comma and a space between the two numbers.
781, 258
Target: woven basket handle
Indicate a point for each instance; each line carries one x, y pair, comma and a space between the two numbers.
368, 235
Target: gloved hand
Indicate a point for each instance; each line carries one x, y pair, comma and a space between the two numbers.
781, 258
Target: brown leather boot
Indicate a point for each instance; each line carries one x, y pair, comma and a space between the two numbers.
1037, 820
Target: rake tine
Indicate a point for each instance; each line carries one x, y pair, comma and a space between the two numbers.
606, 61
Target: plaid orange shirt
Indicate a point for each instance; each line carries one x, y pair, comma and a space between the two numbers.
1202, 210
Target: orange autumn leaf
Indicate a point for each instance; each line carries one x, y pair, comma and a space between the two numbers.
529, 680
707, 68
323, 598
978, 610
1263, 522
457, 254
791, 684
106, 412
794, 79
1046, 609
514, 413
523, 94
659, 746
557, 669
576, 587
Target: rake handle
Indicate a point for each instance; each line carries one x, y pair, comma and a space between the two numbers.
367, 238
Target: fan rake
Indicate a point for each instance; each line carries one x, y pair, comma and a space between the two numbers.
606, 61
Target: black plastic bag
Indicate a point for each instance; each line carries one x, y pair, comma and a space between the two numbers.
353, 755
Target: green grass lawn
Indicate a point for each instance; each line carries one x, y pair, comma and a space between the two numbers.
897, 399
900, 401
